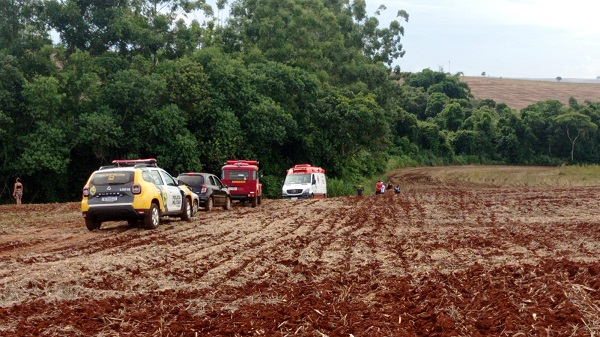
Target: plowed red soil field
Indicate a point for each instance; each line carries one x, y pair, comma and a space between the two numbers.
444, 258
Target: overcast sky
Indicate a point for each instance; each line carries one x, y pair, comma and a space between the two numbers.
503, 38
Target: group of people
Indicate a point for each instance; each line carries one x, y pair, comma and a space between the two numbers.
380, 188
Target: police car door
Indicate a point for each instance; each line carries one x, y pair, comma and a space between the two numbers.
174, 198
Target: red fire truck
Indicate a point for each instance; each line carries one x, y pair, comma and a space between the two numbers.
242, 178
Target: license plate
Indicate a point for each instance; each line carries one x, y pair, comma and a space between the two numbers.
294, 198
233, 188
109, 199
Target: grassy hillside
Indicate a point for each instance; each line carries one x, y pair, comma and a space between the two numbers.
518, 94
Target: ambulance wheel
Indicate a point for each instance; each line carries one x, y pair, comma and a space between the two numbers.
254, 201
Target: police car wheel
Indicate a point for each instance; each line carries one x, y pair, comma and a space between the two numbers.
92, 224
152, 219
187, 210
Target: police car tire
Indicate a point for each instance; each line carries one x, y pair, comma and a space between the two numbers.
195, 207
152, 218
187, 210
92, 224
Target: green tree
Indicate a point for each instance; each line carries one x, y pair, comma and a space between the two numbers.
43, 139
319, 36
435, 104
466, 142
24, 34
482, 122
345, 129
138, 27
451, 117
539, 119
432, 138
163, 135
11, 103
574, 125
101, 132
266, 128
508, 146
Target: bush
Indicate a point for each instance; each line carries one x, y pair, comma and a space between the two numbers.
339, 187
271, 186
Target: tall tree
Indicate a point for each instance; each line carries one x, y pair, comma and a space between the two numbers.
574, 125
145, 27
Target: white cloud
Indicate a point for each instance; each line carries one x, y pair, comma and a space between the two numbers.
510, 38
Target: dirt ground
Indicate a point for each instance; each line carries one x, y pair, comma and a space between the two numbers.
443, 258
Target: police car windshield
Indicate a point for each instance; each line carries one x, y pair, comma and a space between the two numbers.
297, 179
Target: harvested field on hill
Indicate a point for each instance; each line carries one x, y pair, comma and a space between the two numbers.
451, 255
518, 94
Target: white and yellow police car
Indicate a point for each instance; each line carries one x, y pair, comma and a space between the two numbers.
137, 191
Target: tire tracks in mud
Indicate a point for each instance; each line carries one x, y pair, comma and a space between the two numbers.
426, 262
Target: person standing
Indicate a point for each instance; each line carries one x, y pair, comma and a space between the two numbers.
378, 187
359, 190
18, 191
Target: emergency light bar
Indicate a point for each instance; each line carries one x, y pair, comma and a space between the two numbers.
306, 168
241, 162
133, 162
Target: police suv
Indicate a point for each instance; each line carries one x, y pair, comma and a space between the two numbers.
137, 191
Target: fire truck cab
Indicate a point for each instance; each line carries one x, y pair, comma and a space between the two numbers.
304, 181
242, 179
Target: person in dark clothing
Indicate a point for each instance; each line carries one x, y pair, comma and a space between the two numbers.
359, 190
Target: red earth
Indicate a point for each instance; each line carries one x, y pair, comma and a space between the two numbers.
443, 258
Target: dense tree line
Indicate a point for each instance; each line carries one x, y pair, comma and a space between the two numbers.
281, 81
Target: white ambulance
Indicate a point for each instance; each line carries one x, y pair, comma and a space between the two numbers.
304, 181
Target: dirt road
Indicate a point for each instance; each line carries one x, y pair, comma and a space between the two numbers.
446, 259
